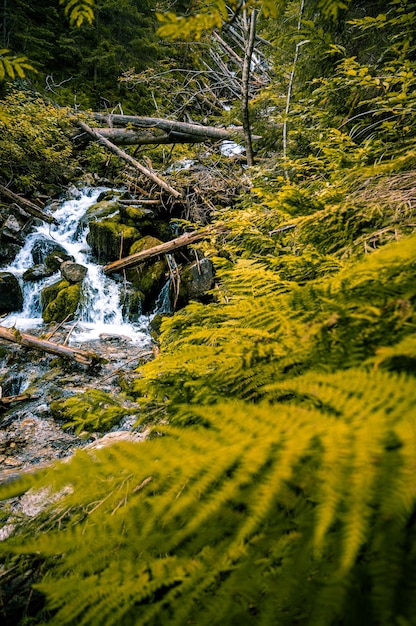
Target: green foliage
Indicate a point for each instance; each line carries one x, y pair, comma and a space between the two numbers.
35, 148
296, 511
12, 66
79, 11
93, 410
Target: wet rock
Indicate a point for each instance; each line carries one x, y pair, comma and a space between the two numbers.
42, 248
73, 272
149, 277
11, 297
196, 280
37, 272
60, 301
8, 250
54, 260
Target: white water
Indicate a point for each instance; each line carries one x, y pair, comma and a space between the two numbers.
100, 311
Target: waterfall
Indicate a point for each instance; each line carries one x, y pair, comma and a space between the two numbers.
100, 310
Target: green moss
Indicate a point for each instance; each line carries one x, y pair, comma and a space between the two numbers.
60, 301
110, 240
101, 209
145, 243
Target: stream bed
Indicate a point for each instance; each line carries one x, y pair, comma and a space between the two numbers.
29, 435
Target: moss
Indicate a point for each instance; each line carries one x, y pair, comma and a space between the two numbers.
60, 301
145, 243
100, 210
110, 240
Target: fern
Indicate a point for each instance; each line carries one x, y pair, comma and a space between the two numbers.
78, 11
13, 67
238, 517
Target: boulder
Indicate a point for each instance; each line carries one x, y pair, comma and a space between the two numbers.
196, 279
149, 277
44, 247
110, 240
11, 296
73, 272
37, 272
60, 301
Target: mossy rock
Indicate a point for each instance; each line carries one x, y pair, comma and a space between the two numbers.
110, 240
11, 296
60, 301
100, 210
145, 243
132, 303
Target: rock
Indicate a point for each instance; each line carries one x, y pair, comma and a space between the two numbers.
8, 250
12, 225
149, 277
196, 280
54, 260
11, 297
111, 240
42, 248
73, 272
37, 272
60, 301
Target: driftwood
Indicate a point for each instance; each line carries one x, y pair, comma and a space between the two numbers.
30, 208
129, 159
163, 248
29, 341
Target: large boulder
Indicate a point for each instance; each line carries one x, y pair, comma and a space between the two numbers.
149, 277
43, 248
110, 240
11, 297
60, 301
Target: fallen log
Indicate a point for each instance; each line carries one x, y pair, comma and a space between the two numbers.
30, 208
128, 137
129, 159
163, 248
171, 126
29, 341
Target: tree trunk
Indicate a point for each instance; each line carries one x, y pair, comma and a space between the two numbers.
29, 341
163, 248
129, 159
30, 208
245, 84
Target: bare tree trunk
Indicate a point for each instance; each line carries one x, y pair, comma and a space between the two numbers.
290, 87
163, 248
29, 341
245, 80
30, 208
129, 159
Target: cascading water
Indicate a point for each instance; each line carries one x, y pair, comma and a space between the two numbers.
100, 310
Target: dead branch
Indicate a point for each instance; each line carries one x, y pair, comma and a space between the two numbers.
163, 248
30, 208
29, 341
129, 159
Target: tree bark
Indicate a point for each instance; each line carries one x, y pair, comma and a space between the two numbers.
163, 248
30, 208
245, 87
29, 341
129, 159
